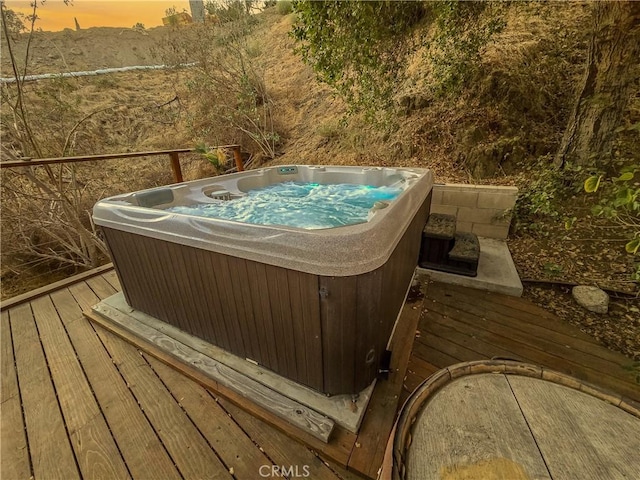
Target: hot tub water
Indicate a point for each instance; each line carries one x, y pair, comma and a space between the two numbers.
298, 204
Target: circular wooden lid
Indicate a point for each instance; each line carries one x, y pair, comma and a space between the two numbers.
499, 419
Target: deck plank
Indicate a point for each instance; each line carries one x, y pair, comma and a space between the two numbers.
187, 447
417, 372
143, 452
94, 447
280, 448
9, 385
101, 287
13, 441
480, 333
549, 326
492, 338
459, 324
541, 338
604, 440
112, 278
49, 446
234, 447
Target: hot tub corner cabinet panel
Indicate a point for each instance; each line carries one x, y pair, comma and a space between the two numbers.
325, 332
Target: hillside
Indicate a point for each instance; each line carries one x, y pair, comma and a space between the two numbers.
498, 130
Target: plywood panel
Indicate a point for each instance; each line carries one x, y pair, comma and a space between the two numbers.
208, 292
261, 303
370, 326
309, 300
281, 317
242, 296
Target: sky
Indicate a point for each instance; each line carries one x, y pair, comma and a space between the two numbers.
54, 15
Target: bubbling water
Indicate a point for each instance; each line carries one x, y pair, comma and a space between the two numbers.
303, 205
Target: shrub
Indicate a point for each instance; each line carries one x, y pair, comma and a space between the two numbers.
284, 7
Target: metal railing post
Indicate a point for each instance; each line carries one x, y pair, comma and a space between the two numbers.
175, 166
238, 158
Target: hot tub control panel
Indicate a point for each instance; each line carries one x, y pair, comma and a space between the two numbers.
287, 170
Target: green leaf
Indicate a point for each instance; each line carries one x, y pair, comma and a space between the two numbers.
624, 196
626, 177
633, 246
569, 222
591, 184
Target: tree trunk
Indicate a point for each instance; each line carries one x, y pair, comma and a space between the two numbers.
608, 82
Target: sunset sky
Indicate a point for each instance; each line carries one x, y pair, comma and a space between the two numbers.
55, 15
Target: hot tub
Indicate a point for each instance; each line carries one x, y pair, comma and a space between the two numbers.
316, 306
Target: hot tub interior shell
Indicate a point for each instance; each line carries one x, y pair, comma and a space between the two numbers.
326, 331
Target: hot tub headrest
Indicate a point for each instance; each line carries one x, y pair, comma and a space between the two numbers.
155, 197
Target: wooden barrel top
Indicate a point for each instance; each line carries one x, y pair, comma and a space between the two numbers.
509, 420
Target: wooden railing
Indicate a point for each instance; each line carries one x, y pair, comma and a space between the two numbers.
174, 157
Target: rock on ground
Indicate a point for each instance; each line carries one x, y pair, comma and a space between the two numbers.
591, 298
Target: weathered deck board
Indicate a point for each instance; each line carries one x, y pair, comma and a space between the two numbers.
49, 447
462, 324
13, 440
494, 339
278, 445
236, 450
143, 452
95, 450
184, 443
502, 308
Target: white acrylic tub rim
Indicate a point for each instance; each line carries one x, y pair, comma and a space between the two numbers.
340, 251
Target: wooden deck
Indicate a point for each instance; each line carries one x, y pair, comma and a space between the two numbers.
79, 402
460, 324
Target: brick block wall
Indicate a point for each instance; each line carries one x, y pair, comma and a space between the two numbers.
482, 209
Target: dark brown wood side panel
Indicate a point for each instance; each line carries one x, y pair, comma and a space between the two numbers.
241, 284
397, 272
369, 326
261, 303
205, 293
338, 312
281, 314
310, 306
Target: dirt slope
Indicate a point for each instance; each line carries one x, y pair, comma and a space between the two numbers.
90, 49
